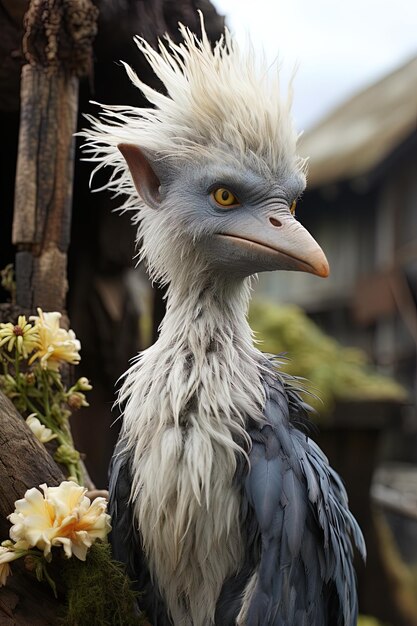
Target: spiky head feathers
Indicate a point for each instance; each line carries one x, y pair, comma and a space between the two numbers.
217, 100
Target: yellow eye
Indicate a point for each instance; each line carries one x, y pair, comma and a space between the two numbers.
292, 207
224, 197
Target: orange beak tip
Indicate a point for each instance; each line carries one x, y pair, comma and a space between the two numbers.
324, 271
319, 263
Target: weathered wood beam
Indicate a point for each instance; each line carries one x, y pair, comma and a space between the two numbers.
57, 44
43, 196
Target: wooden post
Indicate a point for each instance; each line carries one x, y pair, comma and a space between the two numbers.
43, 195
57, 44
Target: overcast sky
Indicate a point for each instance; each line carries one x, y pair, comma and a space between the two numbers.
340, 47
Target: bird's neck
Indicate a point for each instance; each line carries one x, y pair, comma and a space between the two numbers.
208, 315
203, 364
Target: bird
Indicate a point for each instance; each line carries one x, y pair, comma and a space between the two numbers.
224, 510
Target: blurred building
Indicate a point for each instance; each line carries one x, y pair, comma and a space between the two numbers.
361, 205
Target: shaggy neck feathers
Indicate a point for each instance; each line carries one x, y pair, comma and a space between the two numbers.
187, 398
204, 362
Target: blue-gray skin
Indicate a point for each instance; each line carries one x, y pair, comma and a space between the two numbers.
298, 527
299, 531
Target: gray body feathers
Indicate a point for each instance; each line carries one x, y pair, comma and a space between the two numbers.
297, 568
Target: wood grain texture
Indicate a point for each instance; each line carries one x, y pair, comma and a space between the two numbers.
45, 162
25, 602
43, 194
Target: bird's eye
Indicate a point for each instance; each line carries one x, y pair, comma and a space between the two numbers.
292, 207
224, 197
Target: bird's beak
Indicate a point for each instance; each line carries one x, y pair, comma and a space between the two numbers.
278, 243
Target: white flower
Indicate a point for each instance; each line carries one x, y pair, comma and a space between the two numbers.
55, 344
5, 572
61, 516
41, 432
6, 555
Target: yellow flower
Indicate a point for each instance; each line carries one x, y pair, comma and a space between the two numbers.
41, 432
22, 336
55, 344
61, 516
6, 555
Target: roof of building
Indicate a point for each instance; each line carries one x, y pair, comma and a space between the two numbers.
358, 135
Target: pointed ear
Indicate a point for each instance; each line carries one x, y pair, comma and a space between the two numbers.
146, 181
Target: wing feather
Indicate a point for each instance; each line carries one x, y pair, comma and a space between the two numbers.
126, 541
305, 530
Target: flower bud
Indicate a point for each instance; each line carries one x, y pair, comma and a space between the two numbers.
66, 454
83, 384
76, 400
30, 378
30, 563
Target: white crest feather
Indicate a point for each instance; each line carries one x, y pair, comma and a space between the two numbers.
217, 99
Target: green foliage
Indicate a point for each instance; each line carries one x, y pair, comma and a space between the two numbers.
365, 620
98, 591
31, 354
333, 371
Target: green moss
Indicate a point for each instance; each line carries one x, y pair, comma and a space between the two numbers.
98, 591
333, 371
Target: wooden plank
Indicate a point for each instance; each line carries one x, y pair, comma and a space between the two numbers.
24, 223
44, 178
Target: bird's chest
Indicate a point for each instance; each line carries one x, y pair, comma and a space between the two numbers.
188, 515
186, 419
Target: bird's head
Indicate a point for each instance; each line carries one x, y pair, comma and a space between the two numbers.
212, 171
